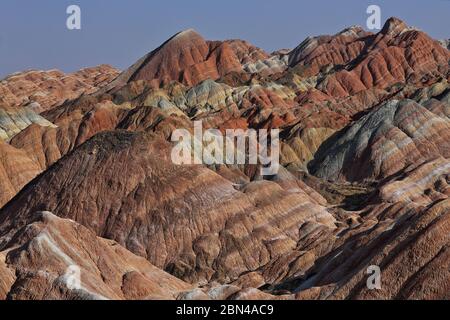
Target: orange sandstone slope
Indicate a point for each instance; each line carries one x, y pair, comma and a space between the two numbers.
188, 58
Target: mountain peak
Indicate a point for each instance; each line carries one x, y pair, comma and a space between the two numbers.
394, 26
181, 40
185, 35
353, 31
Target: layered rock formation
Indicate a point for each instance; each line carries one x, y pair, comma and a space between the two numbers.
208, 220
403, 232
42, 90
14, 120
190, 59
62, 260
390, 138
16, 170
50, 252
364, 178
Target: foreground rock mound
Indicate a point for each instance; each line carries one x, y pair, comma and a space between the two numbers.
123, 186
42, 259
387, 140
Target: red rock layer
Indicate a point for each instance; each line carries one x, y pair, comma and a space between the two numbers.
372, 109
190, 59
42, 90
387, 140
123, 186
44, 254
16, 170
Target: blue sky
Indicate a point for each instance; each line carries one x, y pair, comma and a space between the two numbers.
33, 34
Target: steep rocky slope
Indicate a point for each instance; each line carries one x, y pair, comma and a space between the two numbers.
16, 170
15, 119
44, 254
390, 138
404, 232
123, 186
62, 260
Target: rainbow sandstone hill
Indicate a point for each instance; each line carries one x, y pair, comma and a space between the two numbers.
86, 177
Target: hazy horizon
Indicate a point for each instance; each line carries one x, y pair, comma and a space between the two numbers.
34, 35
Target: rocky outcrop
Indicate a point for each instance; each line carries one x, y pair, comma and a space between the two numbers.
277, 63
425, 184
318, 52
412, 256
360, 61
32, 143
57, 259
397, 54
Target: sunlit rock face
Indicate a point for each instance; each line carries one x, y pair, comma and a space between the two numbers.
87, 177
